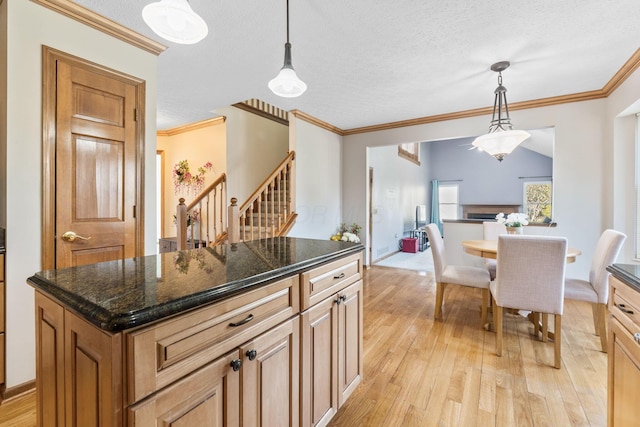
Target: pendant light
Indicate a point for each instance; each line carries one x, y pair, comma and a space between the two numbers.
174, 20
287, 84
501, 139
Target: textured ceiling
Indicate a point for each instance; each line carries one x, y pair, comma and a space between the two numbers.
369, 62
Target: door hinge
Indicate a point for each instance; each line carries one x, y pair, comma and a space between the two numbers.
134, 211
135, 114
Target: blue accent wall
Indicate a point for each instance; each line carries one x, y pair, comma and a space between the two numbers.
484, 179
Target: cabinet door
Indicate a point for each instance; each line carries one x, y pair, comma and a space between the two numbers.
349, 340
92, 375
49, 362
319, 382
624, 377
208, 397
270, 377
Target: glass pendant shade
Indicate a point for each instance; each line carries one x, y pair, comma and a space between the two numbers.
287, 84
501, 142
174, 20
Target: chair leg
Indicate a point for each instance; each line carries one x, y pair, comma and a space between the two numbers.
557, 320
602, 325
535, 316
497, 320
439, 296
596, 319
483, 309
545, 327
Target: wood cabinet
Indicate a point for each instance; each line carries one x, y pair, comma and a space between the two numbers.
251, 359
623, 385
80, 366
2, 324
332, 362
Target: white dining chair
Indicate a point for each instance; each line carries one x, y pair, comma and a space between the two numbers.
475, 277
490, 231
595, 290
530, 276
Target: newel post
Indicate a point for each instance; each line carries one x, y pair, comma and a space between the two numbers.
233, 218
181, 225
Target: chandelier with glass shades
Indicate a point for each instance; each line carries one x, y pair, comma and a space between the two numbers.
174, 20
287, 84
501, 139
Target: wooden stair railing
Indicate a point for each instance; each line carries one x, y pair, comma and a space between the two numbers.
268, 211
209, 207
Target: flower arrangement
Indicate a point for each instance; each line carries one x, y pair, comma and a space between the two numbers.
184, 180
182, 260
347, 234
516, 219
192, 217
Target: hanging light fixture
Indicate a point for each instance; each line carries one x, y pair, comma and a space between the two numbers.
501, 139
287, 84
174, 20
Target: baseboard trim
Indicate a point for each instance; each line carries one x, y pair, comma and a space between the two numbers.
20, 389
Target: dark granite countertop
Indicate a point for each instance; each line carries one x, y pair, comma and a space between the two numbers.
627, 273
122, 294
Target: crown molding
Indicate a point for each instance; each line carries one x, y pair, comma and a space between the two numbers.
314, 121
192, 126
261, 113
101, 23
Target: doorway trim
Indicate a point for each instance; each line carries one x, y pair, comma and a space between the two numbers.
50, 57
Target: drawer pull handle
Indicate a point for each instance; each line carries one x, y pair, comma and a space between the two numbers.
252, 354
242, 322
236, 364
624, 308
636, 337
340, 276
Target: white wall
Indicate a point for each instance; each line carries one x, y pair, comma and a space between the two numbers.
255, 146
579, 170
318, 180
398, 187
29, 27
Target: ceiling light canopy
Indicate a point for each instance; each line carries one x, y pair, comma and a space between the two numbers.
287, 84
501, 139
174, 20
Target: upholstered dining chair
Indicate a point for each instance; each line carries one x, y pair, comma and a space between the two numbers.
490, 231
530, 276
475, 277
595, 290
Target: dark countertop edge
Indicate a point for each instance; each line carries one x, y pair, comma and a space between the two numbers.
111, 322
629, 279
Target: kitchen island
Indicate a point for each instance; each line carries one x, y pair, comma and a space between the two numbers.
266, 332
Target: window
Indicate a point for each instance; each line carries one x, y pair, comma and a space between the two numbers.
537, 201
410, 151
448, 198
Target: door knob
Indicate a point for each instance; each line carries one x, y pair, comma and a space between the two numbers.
70, 236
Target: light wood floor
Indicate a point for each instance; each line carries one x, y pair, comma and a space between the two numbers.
419, 372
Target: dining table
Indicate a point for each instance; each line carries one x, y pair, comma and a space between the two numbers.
489, 249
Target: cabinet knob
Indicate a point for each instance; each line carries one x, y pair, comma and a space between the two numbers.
252, 354
236, 364
343, 298
636, 337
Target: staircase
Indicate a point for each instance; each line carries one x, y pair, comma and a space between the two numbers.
268, 212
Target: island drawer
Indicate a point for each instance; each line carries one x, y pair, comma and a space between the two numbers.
323, 281
160, 354
624, 305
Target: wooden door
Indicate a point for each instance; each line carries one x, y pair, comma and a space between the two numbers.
319, 346
270, 377
95, 164
93, 151
349, 341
